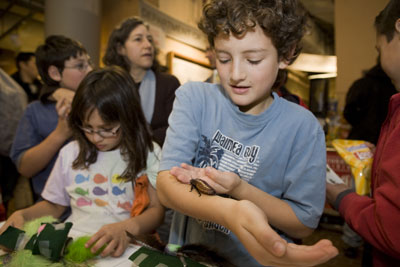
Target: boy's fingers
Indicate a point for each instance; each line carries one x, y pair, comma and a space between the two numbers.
318, 253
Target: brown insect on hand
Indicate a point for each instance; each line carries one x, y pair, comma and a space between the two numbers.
201, 186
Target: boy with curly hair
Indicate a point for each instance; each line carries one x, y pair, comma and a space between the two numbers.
264, 156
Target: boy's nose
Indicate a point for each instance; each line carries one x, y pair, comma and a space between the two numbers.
89, 68
237, 72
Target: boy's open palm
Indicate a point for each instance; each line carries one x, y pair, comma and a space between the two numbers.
251, 226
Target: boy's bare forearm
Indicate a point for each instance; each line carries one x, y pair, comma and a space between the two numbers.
36, 158
178, 196
278, 211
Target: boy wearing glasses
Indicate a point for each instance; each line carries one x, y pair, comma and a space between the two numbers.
43, 130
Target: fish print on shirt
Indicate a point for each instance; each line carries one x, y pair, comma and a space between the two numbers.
81, 202
226, 154
118, 191
99, 179
98, 191
100, 188
79, 178
81, 191
126, 205
117, 179
101, 203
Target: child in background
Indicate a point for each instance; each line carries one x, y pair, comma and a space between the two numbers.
94, 174
265, 153
43, 129
376, 217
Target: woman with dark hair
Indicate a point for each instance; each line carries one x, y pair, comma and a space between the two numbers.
131, 47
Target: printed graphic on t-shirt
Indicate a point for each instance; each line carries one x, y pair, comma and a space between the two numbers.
96, 191
226, 154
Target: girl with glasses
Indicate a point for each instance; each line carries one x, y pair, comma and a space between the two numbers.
94, 173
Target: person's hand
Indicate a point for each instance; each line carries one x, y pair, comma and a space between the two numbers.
62, 93
113, 236
371, 146
221, 182
250, 225
333, 190
15, 220
63, 108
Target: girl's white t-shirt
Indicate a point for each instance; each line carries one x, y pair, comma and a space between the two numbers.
97, 195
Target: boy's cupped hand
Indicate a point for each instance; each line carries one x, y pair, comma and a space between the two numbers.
222, 182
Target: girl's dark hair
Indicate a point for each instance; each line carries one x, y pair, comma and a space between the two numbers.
112, 92
118, 38
283, 21
385, 21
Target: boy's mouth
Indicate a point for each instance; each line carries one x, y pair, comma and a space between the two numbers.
240, 89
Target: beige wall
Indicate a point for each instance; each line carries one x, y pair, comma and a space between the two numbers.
354, 40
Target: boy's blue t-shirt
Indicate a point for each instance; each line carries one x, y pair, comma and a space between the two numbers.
281, 151
38, 121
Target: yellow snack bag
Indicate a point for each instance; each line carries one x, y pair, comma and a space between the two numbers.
358, 155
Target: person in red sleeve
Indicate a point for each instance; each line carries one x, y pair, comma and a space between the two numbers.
376, 218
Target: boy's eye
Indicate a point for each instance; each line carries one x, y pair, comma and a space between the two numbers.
254, 62
80, 67
223, 61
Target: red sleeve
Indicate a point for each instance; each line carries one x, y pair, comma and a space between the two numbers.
377, 219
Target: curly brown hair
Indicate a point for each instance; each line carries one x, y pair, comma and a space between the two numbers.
284, 21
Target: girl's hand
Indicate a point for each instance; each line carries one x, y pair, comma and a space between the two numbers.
221, 182
266, 246
115, 238
63, 108
15, 220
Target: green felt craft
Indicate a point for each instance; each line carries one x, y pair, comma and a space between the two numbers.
10, 237
32, 227
52, 240
145, 257
77, 252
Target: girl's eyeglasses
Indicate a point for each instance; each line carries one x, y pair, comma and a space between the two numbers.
103, 133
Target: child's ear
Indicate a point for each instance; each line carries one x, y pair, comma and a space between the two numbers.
54, 73
397, 25
283, 64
